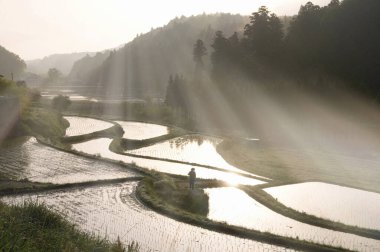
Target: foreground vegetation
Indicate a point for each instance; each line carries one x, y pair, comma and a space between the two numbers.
33, 227
22, 113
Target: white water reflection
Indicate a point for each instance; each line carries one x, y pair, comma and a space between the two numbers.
113, 211
40, 163
347, 205
84, 125
100, 146
141, 131
192, 149
235, 207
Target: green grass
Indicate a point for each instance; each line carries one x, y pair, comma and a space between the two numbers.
285, 164
34, 120
33, 227
176, 193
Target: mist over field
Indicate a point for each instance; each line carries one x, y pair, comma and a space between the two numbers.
214, 122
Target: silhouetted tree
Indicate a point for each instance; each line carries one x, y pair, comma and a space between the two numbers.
54, 74
263, 35
61, 102
220, 56
198, 52
178, 93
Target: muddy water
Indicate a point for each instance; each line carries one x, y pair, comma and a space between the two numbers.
40, 163
113, 211
141, 131
236, 208
100, 146
338, 203
83, 125
192, 149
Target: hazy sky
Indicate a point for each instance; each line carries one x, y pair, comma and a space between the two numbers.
37, 28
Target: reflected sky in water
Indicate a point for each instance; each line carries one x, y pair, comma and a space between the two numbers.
347, 205
235, 207
140, 131
83, 125
101, 147
190, 148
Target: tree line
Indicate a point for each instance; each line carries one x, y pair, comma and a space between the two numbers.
339, 41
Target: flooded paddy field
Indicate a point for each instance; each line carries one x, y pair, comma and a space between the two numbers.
235, 207
84, 125
39, 163
343, 204
113, 211
142, 131
191, 149
101, 147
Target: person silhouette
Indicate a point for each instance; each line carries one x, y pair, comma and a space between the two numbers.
192, 176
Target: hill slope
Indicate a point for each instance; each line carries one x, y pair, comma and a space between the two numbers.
10, 63
62, 62
142, 67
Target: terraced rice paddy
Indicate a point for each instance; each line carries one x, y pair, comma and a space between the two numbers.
141, 131
39, 163
191, 148
113, 211
100, 147
235, 207
347, 205
84, 125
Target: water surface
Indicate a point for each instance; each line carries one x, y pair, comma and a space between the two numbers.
343, 204
84, 125
235, 207
190, 148
113, 211
40, 163
100, 147
141, 131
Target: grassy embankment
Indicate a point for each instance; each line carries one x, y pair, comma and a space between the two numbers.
190, 207
33, 227
290, 165
27, 117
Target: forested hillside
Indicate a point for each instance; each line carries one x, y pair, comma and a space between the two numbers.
84, 68
142, 67
320, 73
10, 63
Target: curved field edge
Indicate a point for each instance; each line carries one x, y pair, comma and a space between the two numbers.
115, 147
267, 200
33, 227
112, 132
289, 165
162, 207
261, 196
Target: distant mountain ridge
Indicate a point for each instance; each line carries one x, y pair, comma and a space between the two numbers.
63, 62
142, 67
